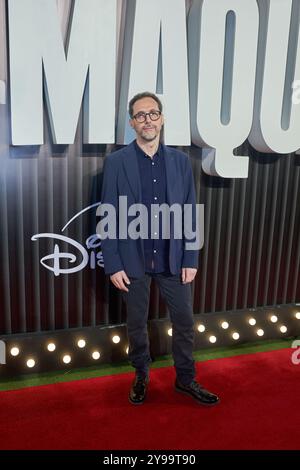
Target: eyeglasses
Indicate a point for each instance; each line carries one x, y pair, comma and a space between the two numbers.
153, 115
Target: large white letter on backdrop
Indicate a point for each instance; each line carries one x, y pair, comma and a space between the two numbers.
155, 60
276, 123
222, 43
36, 44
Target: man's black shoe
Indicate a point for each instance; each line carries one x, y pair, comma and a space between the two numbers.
196, 391
138, 390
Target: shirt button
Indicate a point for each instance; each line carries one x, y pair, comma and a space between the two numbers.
154, 251
155, 233
155, 215
155, 198
154, 181
152, 163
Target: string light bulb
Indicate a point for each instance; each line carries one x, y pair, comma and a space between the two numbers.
67, 359
15, 351
96, 355
201, 328
30, 363
81, 343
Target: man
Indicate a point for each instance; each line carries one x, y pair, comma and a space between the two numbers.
150, 173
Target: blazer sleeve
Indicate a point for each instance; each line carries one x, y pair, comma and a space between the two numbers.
109, 195
190, 256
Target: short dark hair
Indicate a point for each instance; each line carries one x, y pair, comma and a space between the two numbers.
139, 96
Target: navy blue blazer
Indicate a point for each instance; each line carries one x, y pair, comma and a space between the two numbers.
121, 177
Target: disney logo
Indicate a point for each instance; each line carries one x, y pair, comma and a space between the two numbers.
83, 257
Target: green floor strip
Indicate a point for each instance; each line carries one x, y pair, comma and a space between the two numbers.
23, 381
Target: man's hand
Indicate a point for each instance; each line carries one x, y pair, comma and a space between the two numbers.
118, 280
188, 274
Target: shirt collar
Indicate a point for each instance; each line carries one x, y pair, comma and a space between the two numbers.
141, 152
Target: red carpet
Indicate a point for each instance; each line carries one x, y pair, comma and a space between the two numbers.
259, 409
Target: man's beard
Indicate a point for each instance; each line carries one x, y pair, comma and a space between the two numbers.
149, 137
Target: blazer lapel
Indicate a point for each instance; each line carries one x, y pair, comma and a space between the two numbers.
170, 174
131, 170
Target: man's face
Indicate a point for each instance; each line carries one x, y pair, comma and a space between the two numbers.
147, 130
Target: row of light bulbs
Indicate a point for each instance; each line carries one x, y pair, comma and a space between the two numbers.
235, 335
81, 343
67, 358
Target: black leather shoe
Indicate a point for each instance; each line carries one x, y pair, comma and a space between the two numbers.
138, 390
196, 391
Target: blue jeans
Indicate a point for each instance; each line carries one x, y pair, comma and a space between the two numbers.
179, 300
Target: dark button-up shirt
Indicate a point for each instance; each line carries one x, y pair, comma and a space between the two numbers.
154, 191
